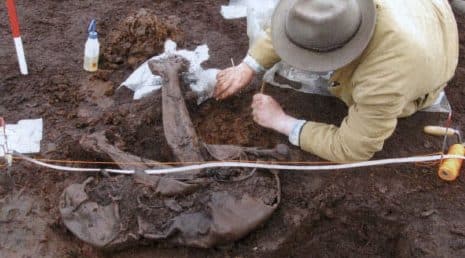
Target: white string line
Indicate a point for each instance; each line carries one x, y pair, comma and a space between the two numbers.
71, 169
174, 170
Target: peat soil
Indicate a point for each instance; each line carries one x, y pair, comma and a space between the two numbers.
401, 211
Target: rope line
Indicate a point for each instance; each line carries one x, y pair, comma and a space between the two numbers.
174, 163
174, 170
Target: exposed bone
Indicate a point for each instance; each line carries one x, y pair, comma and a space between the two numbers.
173, 205
98, 143
179, 130
231, 152
164, 186
225, 152
280, 152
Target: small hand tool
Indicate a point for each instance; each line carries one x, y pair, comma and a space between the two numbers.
449, 169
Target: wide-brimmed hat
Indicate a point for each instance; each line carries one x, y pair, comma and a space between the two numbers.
322, 35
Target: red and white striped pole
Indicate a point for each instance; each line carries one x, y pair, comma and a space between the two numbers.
10, 4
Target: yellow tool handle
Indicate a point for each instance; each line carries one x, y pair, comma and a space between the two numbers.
450, 168
440, 131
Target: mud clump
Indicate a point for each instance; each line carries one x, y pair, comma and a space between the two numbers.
139, 37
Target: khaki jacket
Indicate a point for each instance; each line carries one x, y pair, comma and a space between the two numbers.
409, 60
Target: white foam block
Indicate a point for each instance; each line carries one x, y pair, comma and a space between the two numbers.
233, 12
23, 137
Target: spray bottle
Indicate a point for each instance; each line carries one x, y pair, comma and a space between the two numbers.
92, 50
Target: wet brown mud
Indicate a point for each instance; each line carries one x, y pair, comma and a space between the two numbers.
400, 211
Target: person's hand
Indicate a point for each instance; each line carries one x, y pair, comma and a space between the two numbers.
232, 80
268, 113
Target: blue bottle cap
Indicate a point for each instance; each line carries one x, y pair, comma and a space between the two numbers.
92, 30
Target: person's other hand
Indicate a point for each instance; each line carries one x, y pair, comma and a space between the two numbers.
232, 80
268, 113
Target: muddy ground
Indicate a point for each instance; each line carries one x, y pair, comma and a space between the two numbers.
403, 211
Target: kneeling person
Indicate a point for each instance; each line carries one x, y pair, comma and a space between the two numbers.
390, 59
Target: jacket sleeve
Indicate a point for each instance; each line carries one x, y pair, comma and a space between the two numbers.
371, 120
262, 51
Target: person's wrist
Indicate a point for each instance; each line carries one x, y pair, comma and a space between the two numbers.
294, 136
247, 74
285, 124
247, 69
253, 64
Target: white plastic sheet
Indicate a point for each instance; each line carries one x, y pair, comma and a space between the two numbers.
201, 81
239, 8
258, 14
23, 137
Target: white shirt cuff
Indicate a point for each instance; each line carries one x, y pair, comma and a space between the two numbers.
252, 63
294, 136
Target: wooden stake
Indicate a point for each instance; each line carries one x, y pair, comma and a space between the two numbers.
262, 88
11, 6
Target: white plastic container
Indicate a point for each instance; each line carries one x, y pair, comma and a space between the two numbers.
92, 49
